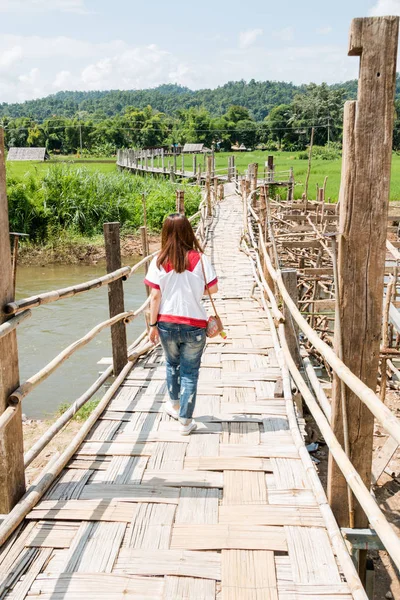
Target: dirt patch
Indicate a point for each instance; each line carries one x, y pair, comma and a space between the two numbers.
33, 430
387, 494
67, 252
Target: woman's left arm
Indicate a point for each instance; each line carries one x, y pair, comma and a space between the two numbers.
155, 301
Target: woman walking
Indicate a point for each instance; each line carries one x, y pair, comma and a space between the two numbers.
178, 319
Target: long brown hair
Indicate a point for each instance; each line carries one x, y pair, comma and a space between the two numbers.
177, 239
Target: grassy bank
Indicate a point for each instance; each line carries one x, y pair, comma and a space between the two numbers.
68, 203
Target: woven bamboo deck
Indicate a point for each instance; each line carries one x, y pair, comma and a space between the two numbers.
229, 512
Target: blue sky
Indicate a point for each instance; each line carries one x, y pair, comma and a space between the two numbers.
52, 45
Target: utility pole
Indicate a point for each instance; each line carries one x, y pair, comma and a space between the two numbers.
329, 129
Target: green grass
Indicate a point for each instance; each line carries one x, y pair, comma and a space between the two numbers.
55, 202
83, 413
19, 169
284, 160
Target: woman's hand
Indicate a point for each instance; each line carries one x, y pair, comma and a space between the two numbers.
153, 335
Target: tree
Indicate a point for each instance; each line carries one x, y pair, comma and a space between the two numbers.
246, 133
236, 113
278, 122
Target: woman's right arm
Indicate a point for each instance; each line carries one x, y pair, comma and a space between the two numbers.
213, 289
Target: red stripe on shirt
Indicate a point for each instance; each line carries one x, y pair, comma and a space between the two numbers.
213, 282
182, 320
151, 284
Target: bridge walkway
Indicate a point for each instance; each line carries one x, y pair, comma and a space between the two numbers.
228, 512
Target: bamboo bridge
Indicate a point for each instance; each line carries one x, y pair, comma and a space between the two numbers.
236, 511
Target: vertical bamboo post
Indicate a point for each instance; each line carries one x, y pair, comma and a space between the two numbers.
215, 189
152, 159
115, 296
199, 176
194, 165
364, 195
174, 155
180, 201
254, 176
309, 162
221, 192
183, 163
289, 278
162, 159
15, 260
12, 476
229, 168
270, 164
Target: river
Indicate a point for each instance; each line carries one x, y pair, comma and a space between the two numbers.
54, 326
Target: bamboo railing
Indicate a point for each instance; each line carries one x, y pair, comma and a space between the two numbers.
321, 410
21, 310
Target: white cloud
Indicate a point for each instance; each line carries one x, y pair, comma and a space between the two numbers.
248, 37
285, 35
74, 6
10, 56
63, 80
324, 30
385, 7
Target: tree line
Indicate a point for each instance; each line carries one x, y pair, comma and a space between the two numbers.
82, 126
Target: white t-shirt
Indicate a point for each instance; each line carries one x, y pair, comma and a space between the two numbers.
182, 293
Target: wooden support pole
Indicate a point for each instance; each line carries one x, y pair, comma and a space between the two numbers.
162, 159
194, 164
289, 277
309, 162
221, 191
115, 296
364, 195
174, 161
180, 201
199, 176
183, 163
12, 476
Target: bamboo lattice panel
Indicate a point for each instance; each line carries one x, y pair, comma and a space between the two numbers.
228, 512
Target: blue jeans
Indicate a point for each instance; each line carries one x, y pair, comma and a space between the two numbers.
183, 346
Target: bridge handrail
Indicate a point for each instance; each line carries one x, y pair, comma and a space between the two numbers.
366, 395
73, 290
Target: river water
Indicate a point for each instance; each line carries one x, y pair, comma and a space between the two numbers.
54, 326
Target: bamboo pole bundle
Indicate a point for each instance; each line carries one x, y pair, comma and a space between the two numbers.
50, 472
333, 530
376, 517
13, 323
44, 373
73, 290
366, 395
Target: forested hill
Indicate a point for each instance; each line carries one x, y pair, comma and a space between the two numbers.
258, 96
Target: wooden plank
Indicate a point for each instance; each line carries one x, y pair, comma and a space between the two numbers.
104, 586
293, 497
130, 492
95, 548
115, 449
87, 510
244, 487
198, 505
248, 575
151, 527
48, 534
125, 469
311, 556
260, 451
69, 485
188, 588
21, 590
289, 474
184, 478
269, 514
221, 536
221, 463
273, 408
182, 563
